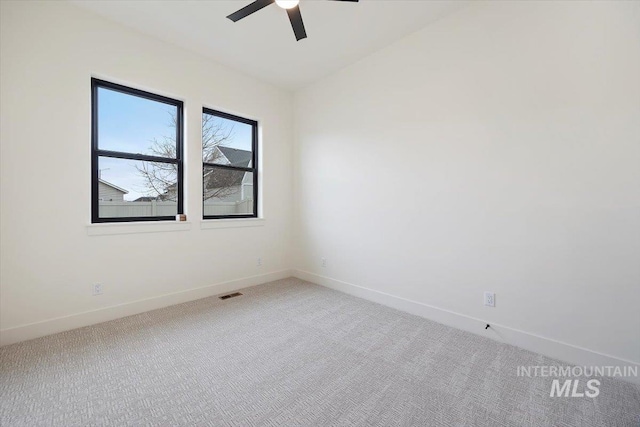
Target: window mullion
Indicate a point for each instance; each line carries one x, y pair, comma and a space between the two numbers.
135, 156
228, 167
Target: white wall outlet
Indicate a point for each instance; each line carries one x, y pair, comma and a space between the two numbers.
97, 289
324, 262
489, 299
259, 263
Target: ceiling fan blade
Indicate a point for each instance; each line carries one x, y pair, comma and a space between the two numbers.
296, 22
248, 10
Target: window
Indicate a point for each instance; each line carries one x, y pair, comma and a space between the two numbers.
229, 166
136, 154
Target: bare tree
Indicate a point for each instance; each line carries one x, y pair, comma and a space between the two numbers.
214, 135
160, 178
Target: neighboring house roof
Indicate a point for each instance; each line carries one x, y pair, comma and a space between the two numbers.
236, 157
229, 178
145, 199
102, 181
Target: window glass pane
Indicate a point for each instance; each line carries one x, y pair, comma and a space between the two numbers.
133, 188
227, 192
131, 124
226, 142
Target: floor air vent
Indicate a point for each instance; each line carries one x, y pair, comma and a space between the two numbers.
233, 295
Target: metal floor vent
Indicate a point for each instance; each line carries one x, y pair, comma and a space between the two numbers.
233, 295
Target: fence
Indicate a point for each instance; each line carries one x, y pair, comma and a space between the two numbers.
228, 208
153, 208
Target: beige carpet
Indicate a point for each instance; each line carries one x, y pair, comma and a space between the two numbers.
287, 353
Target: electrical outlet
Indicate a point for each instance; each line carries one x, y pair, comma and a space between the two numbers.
489, 299
259, 263
97, 289
324, 262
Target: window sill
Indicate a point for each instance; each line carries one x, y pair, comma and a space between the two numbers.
104, 229
207, 224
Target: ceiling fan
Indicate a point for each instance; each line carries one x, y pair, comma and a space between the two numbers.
291, 6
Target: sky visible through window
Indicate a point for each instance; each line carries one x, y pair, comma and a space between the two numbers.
130, 124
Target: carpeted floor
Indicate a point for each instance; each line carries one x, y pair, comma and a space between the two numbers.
287, 353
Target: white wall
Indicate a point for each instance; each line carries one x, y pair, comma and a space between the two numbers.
49, 261
509, 132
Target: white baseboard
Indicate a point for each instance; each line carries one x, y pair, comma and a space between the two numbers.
569, 353
61, 324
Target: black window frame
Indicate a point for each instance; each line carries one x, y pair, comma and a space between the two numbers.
96, 152
253, 169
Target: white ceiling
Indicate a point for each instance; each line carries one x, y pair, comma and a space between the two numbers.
263, 44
